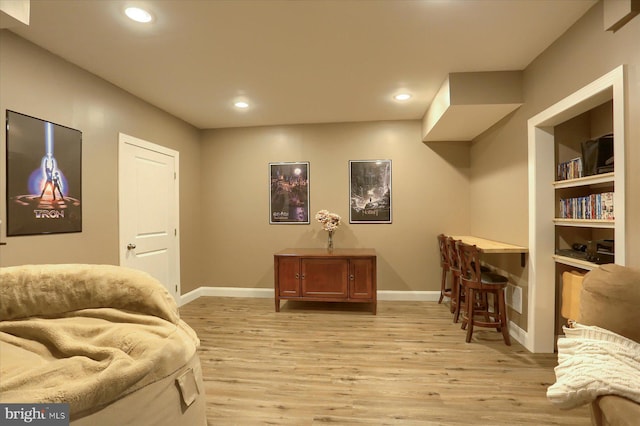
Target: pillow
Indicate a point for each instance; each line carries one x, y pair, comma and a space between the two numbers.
610, 299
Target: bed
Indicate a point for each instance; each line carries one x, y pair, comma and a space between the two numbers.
104, 339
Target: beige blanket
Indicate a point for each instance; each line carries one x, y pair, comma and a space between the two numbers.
592, 362
86, 334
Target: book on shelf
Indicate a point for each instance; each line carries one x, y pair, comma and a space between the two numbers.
607, 205
571, 169
594, 206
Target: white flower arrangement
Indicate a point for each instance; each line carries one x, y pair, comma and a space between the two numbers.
330, 221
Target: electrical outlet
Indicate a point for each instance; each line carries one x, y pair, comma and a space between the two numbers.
514, 297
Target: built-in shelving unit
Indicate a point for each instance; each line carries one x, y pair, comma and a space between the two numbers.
555, 136
586, 193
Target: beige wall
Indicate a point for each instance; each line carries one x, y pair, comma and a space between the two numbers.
36, 83
499, 157
430, 195
223, 183
226, 237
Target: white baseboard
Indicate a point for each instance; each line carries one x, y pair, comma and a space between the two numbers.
237, 292
409, 296
226, 292
517, 333
267, 293
189, 297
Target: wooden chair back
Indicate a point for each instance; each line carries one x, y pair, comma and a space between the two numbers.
452, 255
444, 258
470, 273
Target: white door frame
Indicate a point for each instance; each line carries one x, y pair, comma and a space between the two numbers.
123, 239
541, 294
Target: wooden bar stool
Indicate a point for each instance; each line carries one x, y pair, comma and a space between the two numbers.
444, 264
477, 286
457, 293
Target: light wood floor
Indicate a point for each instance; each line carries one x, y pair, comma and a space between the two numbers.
316, 363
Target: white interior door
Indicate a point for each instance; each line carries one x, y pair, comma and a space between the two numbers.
148, 210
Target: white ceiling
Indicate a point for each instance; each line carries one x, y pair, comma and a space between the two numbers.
296, 61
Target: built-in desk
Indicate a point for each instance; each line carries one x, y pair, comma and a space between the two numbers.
490, 246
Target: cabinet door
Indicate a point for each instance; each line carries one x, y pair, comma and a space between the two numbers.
361, 279
325, 278
289, 276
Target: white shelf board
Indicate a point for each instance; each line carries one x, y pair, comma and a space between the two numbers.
576, 263
587, 180
586, 223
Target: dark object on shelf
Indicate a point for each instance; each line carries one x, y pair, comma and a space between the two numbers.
574, 254
597, 155
601, 251
608, 166
605, 169
579, 247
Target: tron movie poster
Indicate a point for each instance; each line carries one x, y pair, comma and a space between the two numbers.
44, 173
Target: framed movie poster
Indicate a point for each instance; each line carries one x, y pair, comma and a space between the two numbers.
44, 172
370, 191
289, 193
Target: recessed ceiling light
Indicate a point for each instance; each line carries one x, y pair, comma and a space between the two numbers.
241, 104
138, 15
402, 97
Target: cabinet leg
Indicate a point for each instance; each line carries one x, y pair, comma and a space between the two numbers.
277, 305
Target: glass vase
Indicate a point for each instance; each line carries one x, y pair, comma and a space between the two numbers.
330, 242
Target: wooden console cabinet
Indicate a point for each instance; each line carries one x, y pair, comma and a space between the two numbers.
340, 275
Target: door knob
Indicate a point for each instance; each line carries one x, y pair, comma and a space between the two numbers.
131, 246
